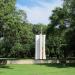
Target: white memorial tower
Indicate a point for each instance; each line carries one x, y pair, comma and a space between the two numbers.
40, 46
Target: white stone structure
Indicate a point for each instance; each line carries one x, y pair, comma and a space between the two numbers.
40, 47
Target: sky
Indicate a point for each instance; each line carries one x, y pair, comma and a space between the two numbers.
38, 11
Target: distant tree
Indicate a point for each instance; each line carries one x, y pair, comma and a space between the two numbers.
37, 28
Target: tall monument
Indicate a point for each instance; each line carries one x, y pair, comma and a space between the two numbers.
40, 46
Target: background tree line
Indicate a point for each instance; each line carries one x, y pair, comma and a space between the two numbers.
17, 35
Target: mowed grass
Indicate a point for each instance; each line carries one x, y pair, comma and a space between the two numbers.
44, 69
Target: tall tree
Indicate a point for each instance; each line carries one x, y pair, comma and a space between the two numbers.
69, 35
55, 32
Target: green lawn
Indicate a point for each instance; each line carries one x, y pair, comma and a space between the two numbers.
45, 69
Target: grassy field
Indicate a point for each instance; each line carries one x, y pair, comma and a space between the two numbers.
44, 69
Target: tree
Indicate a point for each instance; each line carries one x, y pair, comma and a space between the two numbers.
14, 29
7, 7
37, 28
55, 33
69, 34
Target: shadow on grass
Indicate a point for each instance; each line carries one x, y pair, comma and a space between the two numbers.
5, 67
58, 65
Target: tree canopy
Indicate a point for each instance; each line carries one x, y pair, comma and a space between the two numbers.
17, 35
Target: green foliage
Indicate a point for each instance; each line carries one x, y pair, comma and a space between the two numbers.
58, 17
70, 40
37, 28
70, 8
17, 47
16, 32
60, 33
55, 33
17, 36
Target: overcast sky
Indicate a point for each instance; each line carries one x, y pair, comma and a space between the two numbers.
38, 11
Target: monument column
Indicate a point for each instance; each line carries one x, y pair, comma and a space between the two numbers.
40, 47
